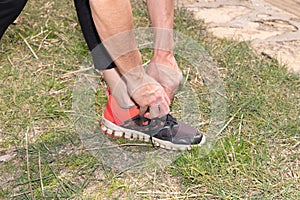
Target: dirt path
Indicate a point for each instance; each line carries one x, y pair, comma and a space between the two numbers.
291, 6
271, 30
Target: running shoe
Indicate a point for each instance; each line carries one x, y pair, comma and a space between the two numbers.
165, 132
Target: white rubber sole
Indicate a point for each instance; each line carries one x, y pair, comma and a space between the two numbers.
112, 130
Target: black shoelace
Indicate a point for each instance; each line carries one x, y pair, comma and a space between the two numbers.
169, 121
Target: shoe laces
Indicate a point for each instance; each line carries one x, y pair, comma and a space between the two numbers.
170, 121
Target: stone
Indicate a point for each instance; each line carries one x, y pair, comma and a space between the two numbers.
270, 30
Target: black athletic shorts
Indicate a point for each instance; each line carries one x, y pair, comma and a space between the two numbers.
101, 58
9, 11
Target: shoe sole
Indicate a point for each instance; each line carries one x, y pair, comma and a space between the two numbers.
115, 131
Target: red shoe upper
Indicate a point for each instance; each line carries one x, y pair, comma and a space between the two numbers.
117, 115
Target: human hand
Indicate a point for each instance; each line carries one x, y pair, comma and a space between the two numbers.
152, 96
168, 78
147, 93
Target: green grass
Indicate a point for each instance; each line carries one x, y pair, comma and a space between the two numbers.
41, 154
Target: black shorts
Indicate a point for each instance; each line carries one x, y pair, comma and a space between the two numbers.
9, 11
101, 58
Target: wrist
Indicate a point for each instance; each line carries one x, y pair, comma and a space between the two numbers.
135, 78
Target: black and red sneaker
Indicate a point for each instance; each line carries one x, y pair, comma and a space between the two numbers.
165, 132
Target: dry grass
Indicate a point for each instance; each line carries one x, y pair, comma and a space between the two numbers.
41, 154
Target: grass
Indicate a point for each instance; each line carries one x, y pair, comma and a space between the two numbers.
41, 154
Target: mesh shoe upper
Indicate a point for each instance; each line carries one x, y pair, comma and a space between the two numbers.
166, 128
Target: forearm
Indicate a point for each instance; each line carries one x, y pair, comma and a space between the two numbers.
163, 67
162, 20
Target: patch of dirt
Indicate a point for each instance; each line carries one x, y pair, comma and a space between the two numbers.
153, 185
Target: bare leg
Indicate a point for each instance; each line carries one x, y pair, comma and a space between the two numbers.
118, 86
162, 19
114, 18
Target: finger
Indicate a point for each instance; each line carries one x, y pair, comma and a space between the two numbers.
154, 111
169, 93
147, 115
161, 107
143, 110
164, 109
159, 110
164, 97
167, 99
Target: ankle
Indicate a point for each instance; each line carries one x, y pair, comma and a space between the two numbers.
123, 100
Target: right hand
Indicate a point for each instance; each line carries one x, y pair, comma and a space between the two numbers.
152, 95
147, 93
164, 69
168, 78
